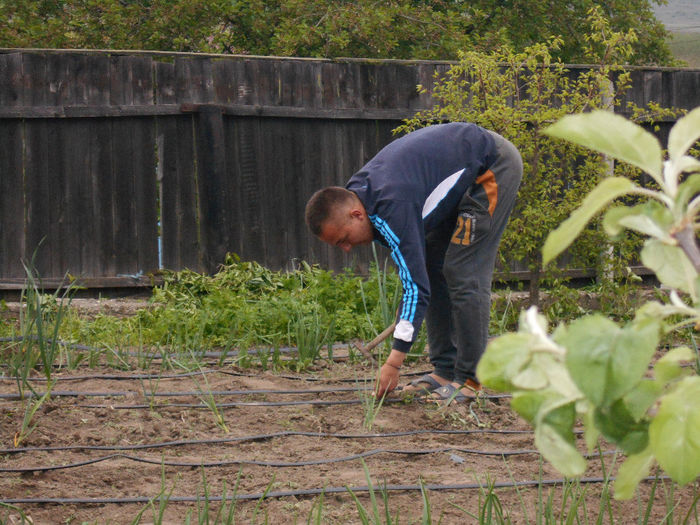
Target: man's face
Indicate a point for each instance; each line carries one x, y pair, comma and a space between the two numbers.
347, 229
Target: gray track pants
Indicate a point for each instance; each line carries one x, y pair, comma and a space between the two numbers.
460, 261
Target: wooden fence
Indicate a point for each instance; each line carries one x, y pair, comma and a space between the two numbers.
115, 164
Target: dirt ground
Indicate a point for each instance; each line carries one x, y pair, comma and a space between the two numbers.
108, 440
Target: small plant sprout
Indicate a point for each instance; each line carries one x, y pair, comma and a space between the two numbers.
30, 409
206, 396
370, 404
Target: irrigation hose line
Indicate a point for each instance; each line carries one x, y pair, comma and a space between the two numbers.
309, 492
312, 379
76, 393
239, 404
159, 355
264, 437
277, 464
111, 377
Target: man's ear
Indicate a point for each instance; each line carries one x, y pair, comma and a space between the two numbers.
356, 213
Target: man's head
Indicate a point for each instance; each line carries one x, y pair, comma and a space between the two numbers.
337, 217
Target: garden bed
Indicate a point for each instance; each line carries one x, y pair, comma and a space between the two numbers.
109, 440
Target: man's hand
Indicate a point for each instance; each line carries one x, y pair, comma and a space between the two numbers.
387, 380
389, 373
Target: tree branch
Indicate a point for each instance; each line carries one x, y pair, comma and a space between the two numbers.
686, 240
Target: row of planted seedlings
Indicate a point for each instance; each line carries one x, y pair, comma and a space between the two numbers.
49, 338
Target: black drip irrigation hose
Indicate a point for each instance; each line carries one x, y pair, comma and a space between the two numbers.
238, 404
309, 492
311, 379
279, 464
158, 355
134, 377
76, 393
264, 437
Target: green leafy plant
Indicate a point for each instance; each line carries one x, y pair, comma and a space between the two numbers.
594, 369
40, 320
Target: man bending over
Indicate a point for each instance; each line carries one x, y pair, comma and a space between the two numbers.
439, 198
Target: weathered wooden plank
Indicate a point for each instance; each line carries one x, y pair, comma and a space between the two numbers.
308, 88
124, 249
311, 166
686, 89
279, 180
387, 87
329, 78
406, 77
367, 74
265, 83
146, 201
246, 77
36, 167
237, 213
179, 208
194, 82
12, 211
142, 68
95, 135
98, 80
75, 178
131, 80
214, 186
58, 112
164, 83
286, 88
225, 82
245, 169
102, 178
11, 82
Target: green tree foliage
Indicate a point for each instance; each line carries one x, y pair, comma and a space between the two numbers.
523, 23
418, 29
179, 25
518, 94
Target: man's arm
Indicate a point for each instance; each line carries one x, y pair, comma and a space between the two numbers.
403, 230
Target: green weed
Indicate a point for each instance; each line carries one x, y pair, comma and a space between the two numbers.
31, 406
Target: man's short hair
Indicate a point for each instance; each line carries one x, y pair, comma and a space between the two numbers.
322, 204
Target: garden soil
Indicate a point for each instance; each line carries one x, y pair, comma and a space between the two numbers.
109, 440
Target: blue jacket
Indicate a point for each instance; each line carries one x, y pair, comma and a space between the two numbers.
409, 188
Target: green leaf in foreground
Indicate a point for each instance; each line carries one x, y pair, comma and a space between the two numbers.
607, 191
669, 367
606, 361
504, 358
612, 135
675, 432
684, 134
617, 425
670, 264
559, 451
631, 472
650, 218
